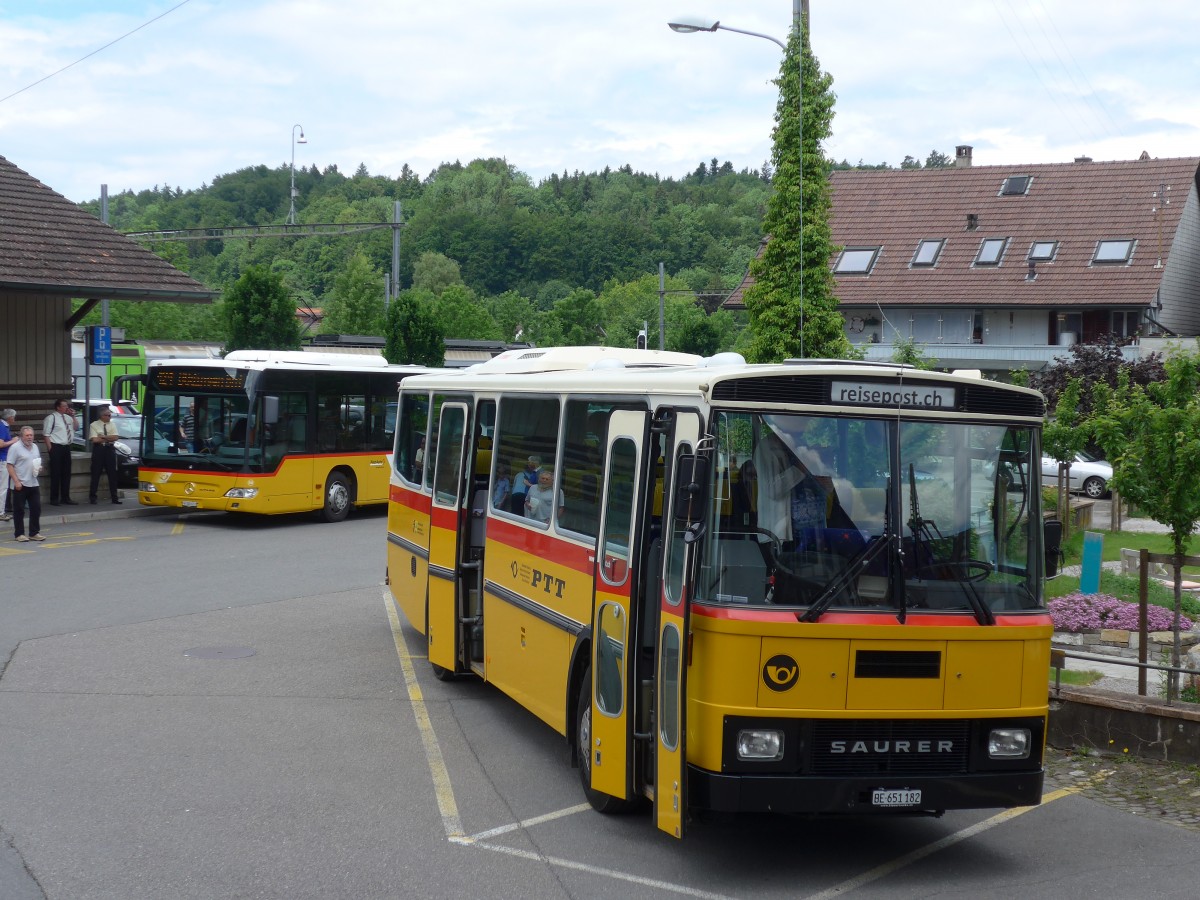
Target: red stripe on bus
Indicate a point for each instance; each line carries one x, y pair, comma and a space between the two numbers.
409, 498
882, 617
542, 545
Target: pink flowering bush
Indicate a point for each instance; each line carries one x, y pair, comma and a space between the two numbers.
1091, 612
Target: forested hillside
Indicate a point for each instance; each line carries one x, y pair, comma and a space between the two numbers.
573, 257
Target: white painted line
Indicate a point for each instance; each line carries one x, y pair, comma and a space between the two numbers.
605, 873
949, 840
529, 823
442, 788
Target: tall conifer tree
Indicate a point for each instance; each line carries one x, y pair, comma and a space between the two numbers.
803, 119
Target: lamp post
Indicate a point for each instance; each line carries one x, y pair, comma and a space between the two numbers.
291, 219
691, 25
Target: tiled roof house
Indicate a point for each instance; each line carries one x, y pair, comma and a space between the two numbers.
1001, 267
52, 252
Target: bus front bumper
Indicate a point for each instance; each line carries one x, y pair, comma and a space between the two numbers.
808, 794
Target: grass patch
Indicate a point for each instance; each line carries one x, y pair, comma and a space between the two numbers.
1115, 540
1078, 676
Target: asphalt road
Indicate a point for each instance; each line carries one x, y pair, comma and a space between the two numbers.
216, 707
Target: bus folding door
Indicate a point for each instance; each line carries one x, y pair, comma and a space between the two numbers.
445, 532
670, 788
610, 751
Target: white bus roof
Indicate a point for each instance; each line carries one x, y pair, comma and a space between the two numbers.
295, 360
698, 379
556, 359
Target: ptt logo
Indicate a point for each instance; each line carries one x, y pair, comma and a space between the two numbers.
780, 672
547, 583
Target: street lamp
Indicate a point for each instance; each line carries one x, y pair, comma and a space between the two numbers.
291, 219
691, 25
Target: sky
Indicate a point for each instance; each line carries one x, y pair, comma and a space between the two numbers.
206, 87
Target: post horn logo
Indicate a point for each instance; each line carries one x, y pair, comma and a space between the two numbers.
781, 672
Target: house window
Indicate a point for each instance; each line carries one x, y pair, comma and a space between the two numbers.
1113, 252
856, 261
1014, 185
1043, 251
991, 251
1126, 322
927, 252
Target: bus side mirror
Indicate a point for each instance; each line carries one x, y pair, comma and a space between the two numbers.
691, 479
270, 410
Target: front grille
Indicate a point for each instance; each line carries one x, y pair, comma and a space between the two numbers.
889, 747
898, 664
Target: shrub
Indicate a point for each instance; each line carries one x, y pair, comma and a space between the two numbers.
1091, 612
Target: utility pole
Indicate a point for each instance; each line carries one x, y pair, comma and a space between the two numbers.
394, 286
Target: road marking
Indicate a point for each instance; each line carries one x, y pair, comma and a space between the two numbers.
949, 840
442, 788
529, 823
445, 791
177, 528
59, 544
13, 551
606, 873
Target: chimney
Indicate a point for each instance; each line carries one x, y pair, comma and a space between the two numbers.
972, 221
1083, 159
962, 156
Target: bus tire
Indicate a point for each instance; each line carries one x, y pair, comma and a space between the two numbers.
337, 498
600, 801
441, 673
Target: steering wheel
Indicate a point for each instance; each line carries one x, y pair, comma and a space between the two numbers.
968, 569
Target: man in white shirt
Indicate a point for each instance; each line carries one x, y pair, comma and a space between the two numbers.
58, 429
103, 437
24, 462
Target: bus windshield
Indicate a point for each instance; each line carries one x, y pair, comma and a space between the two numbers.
837, 512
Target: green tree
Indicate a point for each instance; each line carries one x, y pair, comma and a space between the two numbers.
1151, 435
793, 310
435, 272
513, 313
906, 351
412, 331
460, 315
578, 317
355, 305
1064, 436
259, 313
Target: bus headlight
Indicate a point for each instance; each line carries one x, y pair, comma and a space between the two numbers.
242, 493
147, 487
765, 745
1008, 743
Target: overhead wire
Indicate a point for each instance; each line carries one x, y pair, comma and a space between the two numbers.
97, 50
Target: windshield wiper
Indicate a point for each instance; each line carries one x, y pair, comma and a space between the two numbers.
855, 567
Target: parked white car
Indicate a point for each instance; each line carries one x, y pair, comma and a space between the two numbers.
1089, 475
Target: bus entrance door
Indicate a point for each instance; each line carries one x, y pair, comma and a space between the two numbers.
444, 535
670, 677
623, 514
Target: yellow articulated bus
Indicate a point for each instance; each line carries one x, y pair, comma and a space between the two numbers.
269, 432
813, 587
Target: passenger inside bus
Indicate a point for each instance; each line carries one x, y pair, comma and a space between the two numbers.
539, 500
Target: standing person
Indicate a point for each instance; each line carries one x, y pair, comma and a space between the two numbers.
57, 431
187, 428
23, 464
527, 478
103, 438
7, 439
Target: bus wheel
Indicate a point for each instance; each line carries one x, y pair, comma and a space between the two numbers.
600, 801
337, 498
441, 673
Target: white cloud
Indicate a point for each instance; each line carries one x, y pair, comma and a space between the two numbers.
217, 84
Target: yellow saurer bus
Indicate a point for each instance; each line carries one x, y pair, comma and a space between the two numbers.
269, 432
812, 587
